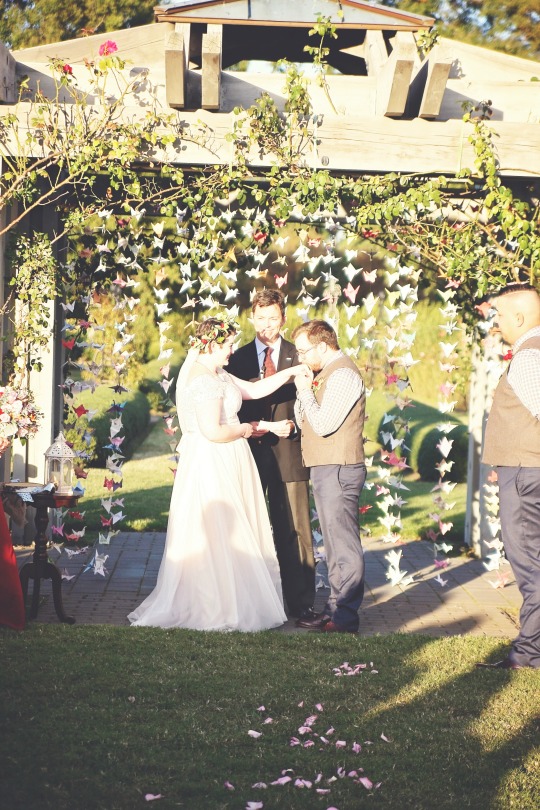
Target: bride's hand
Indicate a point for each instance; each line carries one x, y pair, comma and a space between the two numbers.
303, 378
247, 430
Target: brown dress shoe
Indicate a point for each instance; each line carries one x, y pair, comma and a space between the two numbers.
506, 663
313, 622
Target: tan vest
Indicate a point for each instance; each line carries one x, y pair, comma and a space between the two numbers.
512, 437
346, 444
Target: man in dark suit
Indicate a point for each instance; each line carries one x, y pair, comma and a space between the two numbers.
276, 451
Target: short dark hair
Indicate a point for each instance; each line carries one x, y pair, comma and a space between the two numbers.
317, 332
267, 298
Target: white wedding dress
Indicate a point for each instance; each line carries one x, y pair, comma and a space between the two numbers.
219, 569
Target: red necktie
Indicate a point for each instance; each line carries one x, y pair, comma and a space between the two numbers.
268, 366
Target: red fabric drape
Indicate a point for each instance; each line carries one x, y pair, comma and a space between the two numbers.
11, 598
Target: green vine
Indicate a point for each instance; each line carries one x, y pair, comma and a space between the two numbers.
33, 283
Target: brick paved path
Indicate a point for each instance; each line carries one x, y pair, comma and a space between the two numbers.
466, 604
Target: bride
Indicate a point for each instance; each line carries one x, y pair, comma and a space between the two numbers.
219, 569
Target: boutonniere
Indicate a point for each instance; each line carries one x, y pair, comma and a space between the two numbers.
315, 385
508, 355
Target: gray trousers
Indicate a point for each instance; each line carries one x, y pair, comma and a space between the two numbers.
519, 498
336, 489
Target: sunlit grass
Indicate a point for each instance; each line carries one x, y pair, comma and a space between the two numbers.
94, 718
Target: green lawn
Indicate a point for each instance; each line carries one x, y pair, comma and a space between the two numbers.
148, 480
95, 718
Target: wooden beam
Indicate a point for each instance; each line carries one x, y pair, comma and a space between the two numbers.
375, 52
176, 68
8, 83
212, 45
394, 79
439, 65
355, 144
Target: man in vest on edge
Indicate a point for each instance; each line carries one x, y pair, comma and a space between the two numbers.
512, 445
330, 412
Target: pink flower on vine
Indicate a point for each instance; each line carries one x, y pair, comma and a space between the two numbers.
108, 48
67, 69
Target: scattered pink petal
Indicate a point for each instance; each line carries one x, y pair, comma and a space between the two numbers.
301, 704
367, 783
261, 709
352, 773
294, 741
254, 734
254, 806
368, 742
310, 720
318, 778
340, 772
322, 790
261, 785
304, 730
356, 747
268, 720
302, 783
283, 780
228, 785
383, 737
330, 730
377, 785
150, 797
319, 707
309, 744
341, 744
324, 740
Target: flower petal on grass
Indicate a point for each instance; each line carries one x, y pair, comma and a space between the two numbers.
341, 744
383, 737
322, 790
228, 785
367, 783
150, 797
309, 744
261, 709
319, 707
268, 720
254, 734
294, 741
254, 806
356, 747
283, 780
260, 785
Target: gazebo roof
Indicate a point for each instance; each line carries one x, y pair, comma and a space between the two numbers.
347, 14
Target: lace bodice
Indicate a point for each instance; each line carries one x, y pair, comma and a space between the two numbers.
204, 388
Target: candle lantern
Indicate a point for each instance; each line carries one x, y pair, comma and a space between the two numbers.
59, 459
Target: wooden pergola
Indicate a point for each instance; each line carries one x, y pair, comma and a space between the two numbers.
389, 110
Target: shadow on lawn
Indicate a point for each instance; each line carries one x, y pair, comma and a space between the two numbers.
484, 767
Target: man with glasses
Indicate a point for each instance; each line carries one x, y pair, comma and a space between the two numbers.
330, 411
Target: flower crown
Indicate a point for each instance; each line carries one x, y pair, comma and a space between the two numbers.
223, 328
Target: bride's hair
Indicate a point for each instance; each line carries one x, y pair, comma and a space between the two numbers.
213, 330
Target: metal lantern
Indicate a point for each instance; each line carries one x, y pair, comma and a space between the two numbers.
59, 460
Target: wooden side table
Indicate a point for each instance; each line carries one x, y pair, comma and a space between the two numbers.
41, 567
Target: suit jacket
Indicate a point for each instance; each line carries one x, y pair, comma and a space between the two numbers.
244, 364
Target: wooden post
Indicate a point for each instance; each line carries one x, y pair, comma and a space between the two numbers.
211, 67
394, 78
8, 83
375, 53
176, 60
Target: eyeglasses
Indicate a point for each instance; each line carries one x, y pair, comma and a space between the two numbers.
303, 352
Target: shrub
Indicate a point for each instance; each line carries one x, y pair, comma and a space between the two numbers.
135, 421
429, 456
